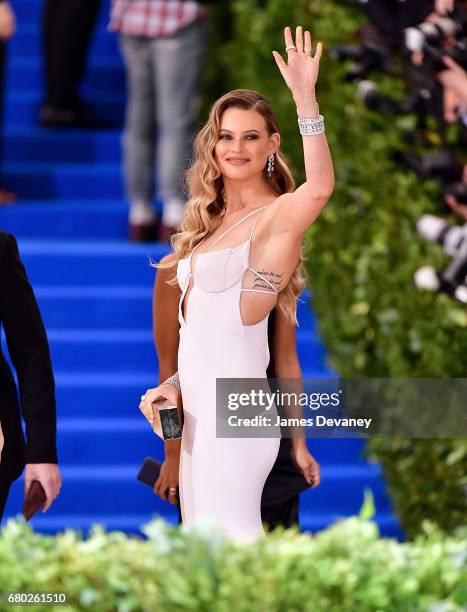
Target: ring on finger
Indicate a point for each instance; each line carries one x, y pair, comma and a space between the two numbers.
290, 47
143, 397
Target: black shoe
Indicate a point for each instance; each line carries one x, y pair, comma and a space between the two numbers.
56, 117
143, 233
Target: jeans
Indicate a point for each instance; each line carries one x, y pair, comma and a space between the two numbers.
163, 76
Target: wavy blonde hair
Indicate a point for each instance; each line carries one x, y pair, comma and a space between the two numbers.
205, 208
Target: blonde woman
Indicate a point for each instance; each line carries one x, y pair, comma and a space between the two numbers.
239, 254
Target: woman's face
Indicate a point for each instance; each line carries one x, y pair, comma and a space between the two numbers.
244, 144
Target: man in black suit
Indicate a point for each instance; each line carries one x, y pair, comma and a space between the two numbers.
29, 352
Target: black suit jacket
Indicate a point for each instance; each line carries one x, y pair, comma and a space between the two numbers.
29, 352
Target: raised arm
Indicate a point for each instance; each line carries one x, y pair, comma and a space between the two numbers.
299, 209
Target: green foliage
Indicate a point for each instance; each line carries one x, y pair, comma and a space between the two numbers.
427, 479
363, 248
346, 567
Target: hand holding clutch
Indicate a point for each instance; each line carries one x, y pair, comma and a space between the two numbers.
166, 422
159, 406
34, 499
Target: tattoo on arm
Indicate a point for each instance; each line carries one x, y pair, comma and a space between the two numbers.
275, 278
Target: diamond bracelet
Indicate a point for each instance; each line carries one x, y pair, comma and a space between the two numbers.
173, 380
311, 127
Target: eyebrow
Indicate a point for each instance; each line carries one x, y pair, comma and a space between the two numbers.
224, 130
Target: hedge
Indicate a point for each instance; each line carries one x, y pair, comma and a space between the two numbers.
346, 567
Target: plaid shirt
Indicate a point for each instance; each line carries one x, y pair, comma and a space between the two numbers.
154, 18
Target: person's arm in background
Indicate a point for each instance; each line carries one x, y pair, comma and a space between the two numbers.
29, 352
287, 365
166, 338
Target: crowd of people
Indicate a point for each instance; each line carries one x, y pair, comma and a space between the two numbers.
422, 42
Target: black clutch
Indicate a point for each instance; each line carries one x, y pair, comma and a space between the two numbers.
167, 422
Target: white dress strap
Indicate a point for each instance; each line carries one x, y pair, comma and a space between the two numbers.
237, 223
263, 279
200, 242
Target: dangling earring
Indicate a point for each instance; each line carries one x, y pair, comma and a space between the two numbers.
270, 164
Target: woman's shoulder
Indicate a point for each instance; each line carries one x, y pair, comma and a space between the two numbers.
169, 258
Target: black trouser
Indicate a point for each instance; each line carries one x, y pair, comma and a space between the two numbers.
4, 490
285, 514
67, 33
390, 17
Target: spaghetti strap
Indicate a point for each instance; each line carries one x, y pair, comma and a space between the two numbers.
237, 223
253, 229
263, 279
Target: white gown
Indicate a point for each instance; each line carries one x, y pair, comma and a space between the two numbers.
221, 479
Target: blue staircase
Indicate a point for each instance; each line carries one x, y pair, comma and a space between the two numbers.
95, 289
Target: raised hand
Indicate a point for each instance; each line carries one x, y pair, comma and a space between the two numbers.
301, 70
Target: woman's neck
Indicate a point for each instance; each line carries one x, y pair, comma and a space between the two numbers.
242, 196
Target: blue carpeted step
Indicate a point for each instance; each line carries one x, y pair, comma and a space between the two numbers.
21, 107
133, 350
91, 264
68, 181
115, 489
110, 307
103, 75
116, 438
53, 521
112, 350
27, 41
61, 146
95, 307
98, 220
113, 394
107, 395
99, 490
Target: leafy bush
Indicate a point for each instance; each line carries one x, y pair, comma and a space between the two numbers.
363, 249
346, 567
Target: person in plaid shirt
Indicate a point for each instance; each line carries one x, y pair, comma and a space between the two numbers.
163, 43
